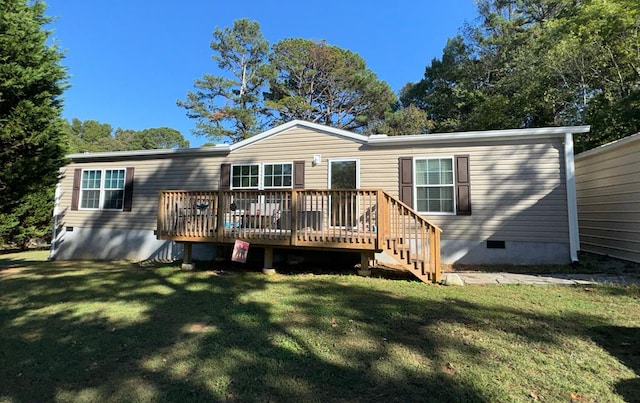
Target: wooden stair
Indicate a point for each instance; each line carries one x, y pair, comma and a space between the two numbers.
412, 241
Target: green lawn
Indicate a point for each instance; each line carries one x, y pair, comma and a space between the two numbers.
86, 331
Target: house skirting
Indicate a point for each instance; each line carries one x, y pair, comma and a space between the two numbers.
116, 244
77, 243
518, 253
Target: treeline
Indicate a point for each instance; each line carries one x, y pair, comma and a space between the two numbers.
523, 63
533, 63
94, 136
294, 79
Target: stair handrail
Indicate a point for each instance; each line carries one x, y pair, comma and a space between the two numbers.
388, 214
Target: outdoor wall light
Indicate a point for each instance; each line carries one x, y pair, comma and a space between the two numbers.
317, 158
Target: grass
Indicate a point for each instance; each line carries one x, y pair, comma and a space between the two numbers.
589, 264
93, 331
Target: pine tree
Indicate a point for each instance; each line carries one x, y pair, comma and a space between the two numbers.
230, 105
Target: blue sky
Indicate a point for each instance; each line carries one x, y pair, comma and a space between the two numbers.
130, 60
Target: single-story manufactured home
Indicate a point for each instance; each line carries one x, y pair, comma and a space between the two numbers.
608, 197
500, 196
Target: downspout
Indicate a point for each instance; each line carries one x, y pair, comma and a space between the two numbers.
56, 213
572, 205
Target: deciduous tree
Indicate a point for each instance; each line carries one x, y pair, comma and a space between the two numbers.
407, 120
155, 138
530, 63
94, 136
90, 136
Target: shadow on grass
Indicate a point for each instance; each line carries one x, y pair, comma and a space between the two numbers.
131, 333
624, 344
588, 264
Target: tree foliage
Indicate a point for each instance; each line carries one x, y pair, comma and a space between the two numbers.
226, 106
296, 79
152, 139
32, 80
530, 63
404, 120
94, 136
449, 90
321, 83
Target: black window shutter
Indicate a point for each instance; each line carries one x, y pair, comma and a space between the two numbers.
225, 177
75, 193
128, 190
463, 182
405, 180
298, 174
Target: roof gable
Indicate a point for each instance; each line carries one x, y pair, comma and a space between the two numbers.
299, 123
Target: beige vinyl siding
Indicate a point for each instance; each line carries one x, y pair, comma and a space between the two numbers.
150, 176
517, 192
301, 144
608, 196
517, 187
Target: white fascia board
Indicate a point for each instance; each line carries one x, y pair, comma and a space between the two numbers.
218, 149
488, 135
286, 126
609, 146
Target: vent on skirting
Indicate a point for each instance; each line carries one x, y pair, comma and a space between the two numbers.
495, 244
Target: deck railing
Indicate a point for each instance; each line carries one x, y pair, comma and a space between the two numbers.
357, 219
412, 238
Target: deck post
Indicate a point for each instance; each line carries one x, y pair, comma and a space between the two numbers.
186, 259
220, 216
382, 216
364, 263
294, 218
268, 261
161, 215
437, 268
220, 256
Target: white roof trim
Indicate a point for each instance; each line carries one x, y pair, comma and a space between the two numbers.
609, 146
286, 126
478, 135
218, 149
374, 140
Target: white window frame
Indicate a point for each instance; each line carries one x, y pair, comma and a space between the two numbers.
102, 190
242, 187
416, 186
261, 171
262, 174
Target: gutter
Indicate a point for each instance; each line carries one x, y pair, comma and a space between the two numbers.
56, 214
218, 149
572, 203
510, 134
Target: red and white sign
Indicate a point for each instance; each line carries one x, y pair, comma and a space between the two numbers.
240, 251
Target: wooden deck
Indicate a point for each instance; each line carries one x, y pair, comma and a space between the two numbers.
364, 220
